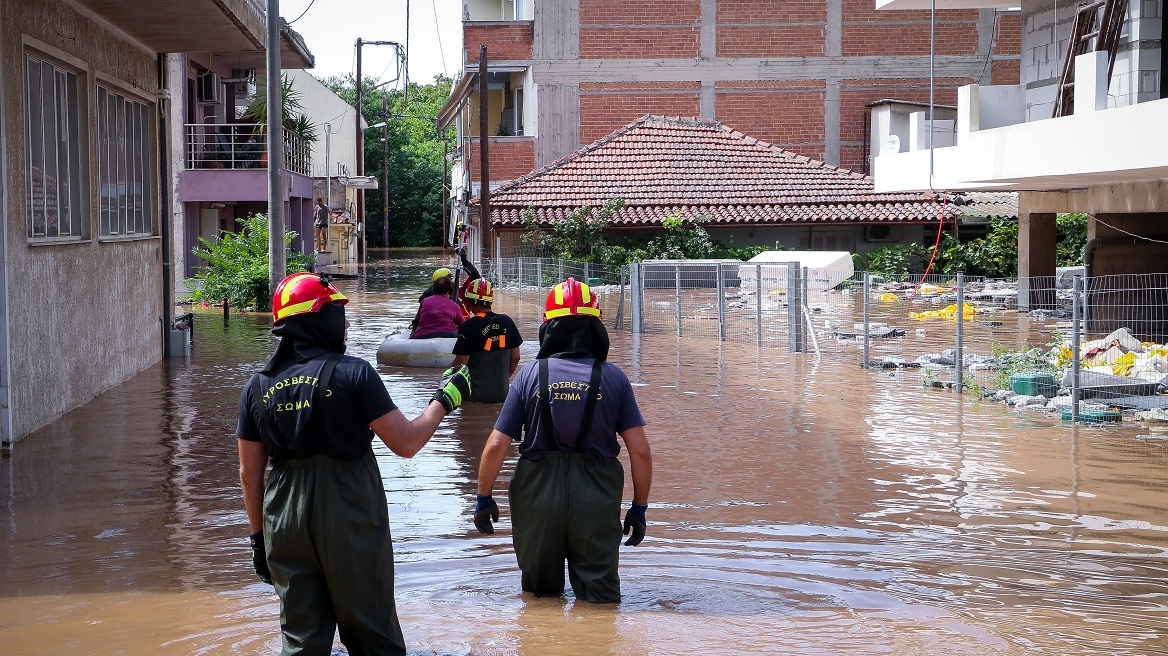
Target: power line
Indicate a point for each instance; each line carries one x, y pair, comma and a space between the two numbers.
434, 6
303, 12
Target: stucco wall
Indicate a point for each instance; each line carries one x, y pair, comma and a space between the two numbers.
323, 106
85, 315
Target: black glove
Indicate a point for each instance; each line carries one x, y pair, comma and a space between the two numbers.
453, 389
259, 559
486, 511
635, 522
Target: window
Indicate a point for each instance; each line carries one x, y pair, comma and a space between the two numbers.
122, 163
53, 131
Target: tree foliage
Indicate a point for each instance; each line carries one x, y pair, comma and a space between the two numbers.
415, 156
583, 235
995, 255
237, 265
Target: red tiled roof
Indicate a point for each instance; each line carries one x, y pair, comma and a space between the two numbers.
700, 168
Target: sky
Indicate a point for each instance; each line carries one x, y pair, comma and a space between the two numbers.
331, 28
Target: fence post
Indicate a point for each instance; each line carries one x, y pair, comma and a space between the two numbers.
959, 359
867, 295
1076, 298
719, 279
758, 303
636, 295
519, 279
620, 304
559, 269
538, 274
677, 293
587, 272
498, 258
794, 305
804, 309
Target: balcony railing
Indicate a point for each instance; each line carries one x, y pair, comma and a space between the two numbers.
242, 146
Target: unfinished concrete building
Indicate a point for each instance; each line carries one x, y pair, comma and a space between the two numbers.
1086, 130
564, 73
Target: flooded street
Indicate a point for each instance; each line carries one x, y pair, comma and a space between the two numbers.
798, 507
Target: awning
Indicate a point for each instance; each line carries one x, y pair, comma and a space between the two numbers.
458, 95
227, 27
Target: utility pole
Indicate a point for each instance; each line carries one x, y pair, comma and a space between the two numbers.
484, 159
360, 218
385, 167
277, 258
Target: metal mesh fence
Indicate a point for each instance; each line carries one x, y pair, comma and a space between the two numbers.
1014, 339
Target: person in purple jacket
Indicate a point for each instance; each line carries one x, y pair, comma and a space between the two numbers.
567, 410
438, 315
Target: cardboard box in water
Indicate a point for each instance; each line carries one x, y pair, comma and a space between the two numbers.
1034, 383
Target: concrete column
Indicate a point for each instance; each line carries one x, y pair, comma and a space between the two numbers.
831, 122
1037, 237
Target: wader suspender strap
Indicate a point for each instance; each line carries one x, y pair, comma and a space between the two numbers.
318, 395
545, 409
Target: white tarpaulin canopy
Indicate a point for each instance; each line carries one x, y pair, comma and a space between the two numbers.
825, 269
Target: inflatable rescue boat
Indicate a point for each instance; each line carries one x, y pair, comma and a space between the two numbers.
399, 350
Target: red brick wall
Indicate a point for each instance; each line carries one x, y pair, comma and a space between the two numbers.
908, 39
771, 41
1008, 34
640, 12
771, 11
865, 11
1006, 71
639, 42
601, 113
511, 158
787, 114
505, 42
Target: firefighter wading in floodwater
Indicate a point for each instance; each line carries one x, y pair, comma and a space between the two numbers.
320, 525
568, 407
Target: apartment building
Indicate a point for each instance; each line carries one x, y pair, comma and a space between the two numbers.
1084, 130
86, 271
801, 74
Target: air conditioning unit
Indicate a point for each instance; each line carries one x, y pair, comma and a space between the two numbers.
210, 88
879, 233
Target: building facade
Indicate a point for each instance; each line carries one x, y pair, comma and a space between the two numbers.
1103, 152
218, 152
564, 73
86, 271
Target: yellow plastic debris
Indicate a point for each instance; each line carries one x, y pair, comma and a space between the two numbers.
949, 312
1122, 365
888, 297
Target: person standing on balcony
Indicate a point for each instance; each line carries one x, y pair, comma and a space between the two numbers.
566, 410
321, 216
320, 524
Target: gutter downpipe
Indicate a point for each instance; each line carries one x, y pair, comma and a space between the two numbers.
164, 228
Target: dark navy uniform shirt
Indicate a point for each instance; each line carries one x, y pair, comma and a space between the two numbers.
616, 408
356, 396
488, 339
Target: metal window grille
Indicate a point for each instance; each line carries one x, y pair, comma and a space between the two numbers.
123, 159
53, 139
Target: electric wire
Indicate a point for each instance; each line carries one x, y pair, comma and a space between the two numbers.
438, 29
312, 2
1131, 234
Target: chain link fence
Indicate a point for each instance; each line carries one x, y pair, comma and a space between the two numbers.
1014, 338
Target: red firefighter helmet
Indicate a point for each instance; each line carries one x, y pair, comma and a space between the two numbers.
301, 293
571, 298
480, 290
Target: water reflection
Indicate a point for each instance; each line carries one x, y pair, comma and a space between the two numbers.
798, 507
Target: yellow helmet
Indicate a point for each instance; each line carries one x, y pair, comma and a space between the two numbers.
441, 273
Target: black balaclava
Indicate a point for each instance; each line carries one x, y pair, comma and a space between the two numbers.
573, 337
306, 336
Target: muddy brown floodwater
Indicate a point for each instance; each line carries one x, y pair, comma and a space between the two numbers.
798, 507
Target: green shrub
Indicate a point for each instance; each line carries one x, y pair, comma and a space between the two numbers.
237, 265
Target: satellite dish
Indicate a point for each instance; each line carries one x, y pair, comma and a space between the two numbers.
891, 145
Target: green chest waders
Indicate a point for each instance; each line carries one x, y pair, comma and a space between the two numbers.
566, 506
328, 541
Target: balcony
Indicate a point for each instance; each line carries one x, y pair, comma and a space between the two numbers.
997, 150
242, 146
